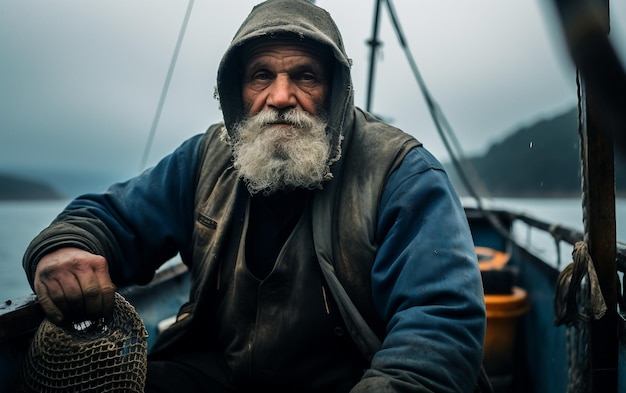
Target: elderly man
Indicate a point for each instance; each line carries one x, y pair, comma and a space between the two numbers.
295, 179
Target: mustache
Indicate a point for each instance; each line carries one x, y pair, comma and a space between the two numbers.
293, 117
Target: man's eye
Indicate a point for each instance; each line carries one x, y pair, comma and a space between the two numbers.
307, 77
261, 76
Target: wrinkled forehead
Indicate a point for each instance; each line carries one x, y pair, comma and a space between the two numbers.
260, 47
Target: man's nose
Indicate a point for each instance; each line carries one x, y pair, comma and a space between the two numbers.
282, 93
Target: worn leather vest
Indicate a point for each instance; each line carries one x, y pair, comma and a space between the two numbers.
348, 206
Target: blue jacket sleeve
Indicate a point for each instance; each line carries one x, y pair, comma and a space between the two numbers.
136, 225
426, 284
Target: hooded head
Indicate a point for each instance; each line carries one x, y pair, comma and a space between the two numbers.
301, 23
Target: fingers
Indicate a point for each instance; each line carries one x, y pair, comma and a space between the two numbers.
73, 286
57, 289
48, 305
97, 290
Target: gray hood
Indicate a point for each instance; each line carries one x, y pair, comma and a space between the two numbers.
299, 19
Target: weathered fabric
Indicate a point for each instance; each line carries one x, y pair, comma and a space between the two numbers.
401, 243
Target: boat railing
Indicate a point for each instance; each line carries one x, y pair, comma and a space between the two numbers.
558, 232
571, 236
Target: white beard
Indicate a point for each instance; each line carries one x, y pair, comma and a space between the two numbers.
271, 156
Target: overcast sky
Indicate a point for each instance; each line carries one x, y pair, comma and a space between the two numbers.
80, 80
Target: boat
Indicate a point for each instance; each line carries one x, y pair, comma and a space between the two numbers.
542, 332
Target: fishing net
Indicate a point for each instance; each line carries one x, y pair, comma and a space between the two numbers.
107, 356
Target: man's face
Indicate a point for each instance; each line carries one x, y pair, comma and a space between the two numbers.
282, 76
283, 143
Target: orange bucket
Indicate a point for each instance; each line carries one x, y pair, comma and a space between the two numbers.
503, 312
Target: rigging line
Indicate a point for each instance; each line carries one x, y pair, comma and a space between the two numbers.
439, 119
374, 43
166, 84
442, 124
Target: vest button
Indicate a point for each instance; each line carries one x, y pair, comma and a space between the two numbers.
338, 331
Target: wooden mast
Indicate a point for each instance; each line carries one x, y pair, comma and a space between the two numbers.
601, 235
586, 26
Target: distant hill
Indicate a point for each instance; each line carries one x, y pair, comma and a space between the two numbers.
540, 160
20, 188
69, 183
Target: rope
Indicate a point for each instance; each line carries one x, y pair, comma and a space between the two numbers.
583, 155
465, 169
579, 372
578, 299
166, 85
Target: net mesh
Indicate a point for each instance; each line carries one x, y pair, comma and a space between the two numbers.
108, 356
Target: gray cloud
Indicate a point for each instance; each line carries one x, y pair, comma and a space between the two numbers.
80, 81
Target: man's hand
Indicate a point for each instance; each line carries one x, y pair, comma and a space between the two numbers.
74, 285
